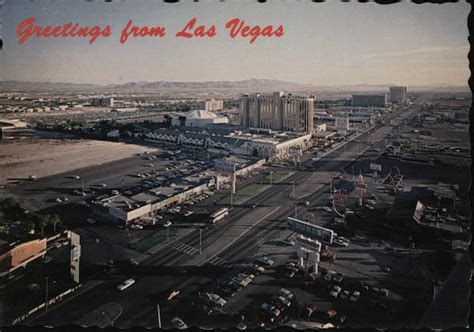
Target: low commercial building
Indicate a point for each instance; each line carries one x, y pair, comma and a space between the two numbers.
17, 255
198, 118
369, 100
275, 145
123, 209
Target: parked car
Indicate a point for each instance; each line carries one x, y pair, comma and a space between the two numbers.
265, 260
335, 291
241, 326
257, 268
309, 310
331, 313
381, 291
329, 275
282, 299
338, 277
271, 311
286, 293
344, 295
355, 296
216, 299
124, 285
178, 323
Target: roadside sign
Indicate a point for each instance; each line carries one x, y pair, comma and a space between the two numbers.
375, 167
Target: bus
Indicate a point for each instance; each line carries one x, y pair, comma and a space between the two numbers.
216, 216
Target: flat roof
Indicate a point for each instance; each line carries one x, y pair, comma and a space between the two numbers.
324, 134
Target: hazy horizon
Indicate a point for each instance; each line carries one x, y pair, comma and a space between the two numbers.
243, 79
331, 44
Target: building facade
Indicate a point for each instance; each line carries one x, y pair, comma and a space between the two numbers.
213, 105
102, 102
369, 100
277, 112
398, 94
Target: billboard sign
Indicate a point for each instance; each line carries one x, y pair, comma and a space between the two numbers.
316, 232
376, 167
75, 255
418, 212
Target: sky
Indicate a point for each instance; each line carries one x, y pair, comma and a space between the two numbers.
331, 43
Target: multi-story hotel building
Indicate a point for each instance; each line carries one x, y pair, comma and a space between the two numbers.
398, 94
278, 112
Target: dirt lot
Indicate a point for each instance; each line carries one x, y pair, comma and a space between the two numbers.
43, 157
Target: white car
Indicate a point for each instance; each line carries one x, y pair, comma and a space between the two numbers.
329, 275
136, 226
334, 294
265, 260
216, 299
283, 300
178, 323
286, 293
167, 224
124, 285
341, 242
355, 296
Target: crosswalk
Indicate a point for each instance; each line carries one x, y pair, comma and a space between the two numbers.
191, 251
216, 260
188, 250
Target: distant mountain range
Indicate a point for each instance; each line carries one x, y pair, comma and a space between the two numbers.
243, 86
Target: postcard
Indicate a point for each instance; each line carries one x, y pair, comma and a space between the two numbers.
234, 164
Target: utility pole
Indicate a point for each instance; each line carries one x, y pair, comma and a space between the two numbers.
271, 177
200, 240
233, 187
159, 315
46, 293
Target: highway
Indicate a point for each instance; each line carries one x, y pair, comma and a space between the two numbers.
160, 273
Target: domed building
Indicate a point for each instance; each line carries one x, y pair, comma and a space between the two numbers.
197, 118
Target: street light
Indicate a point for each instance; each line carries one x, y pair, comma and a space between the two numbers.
167, 233
158, 310
46, 293
200, 240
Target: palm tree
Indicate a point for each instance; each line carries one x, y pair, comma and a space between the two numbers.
54, 220
43, 222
